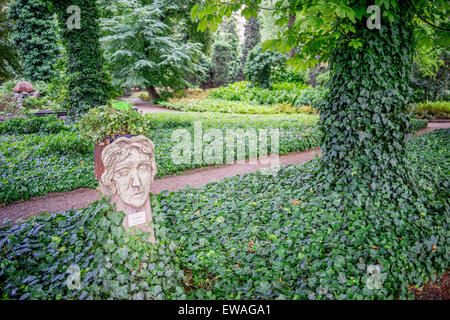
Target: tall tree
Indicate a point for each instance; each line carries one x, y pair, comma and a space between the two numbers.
88, 82
230, 53
35, 37
144, 52
252, 37
366, 115
8, 55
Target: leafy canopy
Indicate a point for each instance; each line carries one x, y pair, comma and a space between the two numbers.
8, 56
320, 24
144, 51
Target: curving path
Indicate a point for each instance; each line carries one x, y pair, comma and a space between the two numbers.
81, 198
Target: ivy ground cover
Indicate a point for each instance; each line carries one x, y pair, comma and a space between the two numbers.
257, 236
41, 155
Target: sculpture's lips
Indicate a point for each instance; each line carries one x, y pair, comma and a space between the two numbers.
138, 194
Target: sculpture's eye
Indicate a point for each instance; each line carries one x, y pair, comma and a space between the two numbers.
145, 167
123, 173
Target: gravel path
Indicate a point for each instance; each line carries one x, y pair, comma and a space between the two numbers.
81, 198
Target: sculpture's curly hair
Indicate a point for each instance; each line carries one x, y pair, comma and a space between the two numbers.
119, 151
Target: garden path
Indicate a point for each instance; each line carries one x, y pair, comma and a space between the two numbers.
80, 198
146, 107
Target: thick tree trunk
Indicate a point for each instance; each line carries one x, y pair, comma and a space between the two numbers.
152, 94
365, 117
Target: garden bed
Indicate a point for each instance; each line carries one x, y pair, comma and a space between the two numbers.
257, 236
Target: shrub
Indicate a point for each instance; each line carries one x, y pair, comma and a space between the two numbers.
433, 110
34, 35
108, 122
417, 124
32, 124
280, 73
259, 64
293, 93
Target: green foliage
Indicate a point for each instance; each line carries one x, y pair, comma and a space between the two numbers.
108, 122
256, 236
34, 103
259, 64
228, 33
40, 155
320, 25
323, 79
417, 124
218, 105
35, 32
111, 263
252, 37
33, 124
143, 52
292, 93
58, 87
41, 163
365, 119
435, 86
221, 59
88, 84
433, 110
8, 55
280, 73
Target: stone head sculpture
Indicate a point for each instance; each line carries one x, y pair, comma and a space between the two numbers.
129, 169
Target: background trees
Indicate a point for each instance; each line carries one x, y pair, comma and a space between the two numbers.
252, 38
365, 116
8, 56
88, 82
143, 53
35, 37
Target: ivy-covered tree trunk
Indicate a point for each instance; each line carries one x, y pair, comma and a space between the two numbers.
8, 55
89, 84
35, 37
365, 118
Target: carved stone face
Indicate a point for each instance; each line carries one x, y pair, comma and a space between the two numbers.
129, 169
132, 178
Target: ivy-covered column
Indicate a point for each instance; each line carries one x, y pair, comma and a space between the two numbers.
35, 37
366, 118
89, 84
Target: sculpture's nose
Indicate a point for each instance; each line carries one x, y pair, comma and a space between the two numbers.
135, 180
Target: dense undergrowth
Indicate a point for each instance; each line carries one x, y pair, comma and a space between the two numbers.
257, 236
42, 155
295, 94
